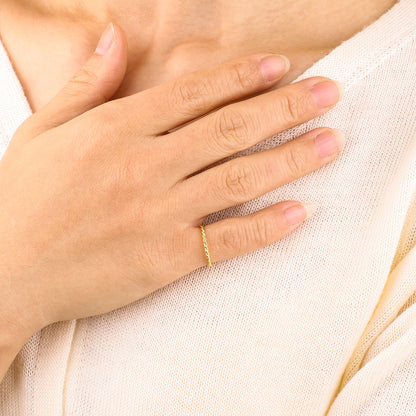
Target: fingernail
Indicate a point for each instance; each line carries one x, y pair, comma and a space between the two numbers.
329, 142
106, 40
299, 213
310, 209
327, 93
274, 66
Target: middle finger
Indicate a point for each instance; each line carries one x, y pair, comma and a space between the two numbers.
241, 125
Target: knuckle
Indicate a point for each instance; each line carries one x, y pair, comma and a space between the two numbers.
245, 74
189, 96
238, 181
233, 240
231, 131
84, 78
85, 83
259, 232
296, 161
86, 75
293, 107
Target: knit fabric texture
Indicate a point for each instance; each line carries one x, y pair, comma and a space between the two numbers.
322, 322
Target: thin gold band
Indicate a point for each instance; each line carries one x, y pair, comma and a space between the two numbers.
204, 241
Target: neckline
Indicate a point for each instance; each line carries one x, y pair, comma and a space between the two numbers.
349, 61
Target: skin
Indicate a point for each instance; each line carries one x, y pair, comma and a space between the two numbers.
164, 43
99, 203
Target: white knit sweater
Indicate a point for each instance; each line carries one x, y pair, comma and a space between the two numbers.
323, 322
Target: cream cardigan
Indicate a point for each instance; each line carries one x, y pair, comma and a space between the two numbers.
323, 322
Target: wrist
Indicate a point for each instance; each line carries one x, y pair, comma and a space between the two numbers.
12, 339
15, 330
18, 317
21, 314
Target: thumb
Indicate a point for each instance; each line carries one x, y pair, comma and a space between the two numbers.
93, 85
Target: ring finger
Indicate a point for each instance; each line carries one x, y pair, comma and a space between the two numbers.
233, 237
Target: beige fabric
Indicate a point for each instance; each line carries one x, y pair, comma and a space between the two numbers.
322, 322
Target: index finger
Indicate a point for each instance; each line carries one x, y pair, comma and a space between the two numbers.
169, 105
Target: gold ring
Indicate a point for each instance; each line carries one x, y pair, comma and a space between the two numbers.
204, 241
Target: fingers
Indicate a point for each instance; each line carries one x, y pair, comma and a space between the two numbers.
245, 178
94, 84
176, 102
241, 125
233, 237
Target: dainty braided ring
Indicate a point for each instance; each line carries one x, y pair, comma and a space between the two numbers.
204, 241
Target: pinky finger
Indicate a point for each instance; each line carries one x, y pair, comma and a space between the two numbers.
233, 237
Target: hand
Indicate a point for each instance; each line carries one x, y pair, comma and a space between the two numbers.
101, 201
